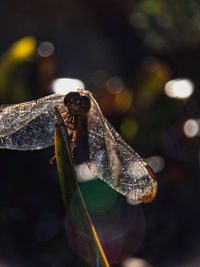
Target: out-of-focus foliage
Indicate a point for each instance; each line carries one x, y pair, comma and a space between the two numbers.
13, 87
167, 25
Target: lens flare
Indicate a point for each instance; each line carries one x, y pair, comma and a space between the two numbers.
116, 226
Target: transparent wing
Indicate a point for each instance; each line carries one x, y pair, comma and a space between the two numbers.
112, 160
29, 125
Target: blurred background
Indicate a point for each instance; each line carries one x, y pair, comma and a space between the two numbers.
140, 59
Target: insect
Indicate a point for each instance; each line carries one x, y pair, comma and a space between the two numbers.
31, 126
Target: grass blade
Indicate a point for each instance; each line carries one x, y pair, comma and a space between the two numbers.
81, 232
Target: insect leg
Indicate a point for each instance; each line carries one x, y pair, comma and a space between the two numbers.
73, 145
52, 159
70, 122
65, 114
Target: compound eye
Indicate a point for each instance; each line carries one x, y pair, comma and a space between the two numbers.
85, 103
71, 97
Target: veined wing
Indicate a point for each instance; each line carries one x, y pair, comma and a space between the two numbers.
116, 163
29, 125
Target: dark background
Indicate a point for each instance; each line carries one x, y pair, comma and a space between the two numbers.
145, 44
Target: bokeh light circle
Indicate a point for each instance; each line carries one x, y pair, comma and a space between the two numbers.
179, 88
46, 49
191, 128
66, 85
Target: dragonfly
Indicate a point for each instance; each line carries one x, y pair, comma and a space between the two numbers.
31, 126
